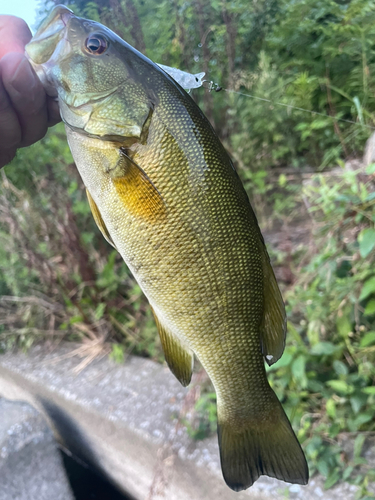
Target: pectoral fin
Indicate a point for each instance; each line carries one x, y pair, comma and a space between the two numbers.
273, 327
98, 219
179, 358
136, 190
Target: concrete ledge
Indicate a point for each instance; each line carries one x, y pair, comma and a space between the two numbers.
122, 420
30, 464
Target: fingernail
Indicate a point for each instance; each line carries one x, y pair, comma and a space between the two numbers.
24, 79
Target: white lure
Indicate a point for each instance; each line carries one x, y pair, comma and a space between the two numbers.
187, 81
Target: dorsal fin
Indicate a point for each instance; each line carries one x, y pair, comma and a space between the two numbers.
99, 220
179, 358
273, 327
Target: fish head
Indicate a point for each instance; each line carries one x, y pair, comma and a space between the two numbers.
94, 74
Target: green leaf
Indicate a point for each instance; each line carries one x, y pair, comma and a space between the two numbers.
334, 429
332, 479
368, 288
368, 339
72, 187
324, 348
99, 311
319, 123
81, 208
282, 180
370, 169
347, 473
357, 401
298, 370
323, 467
331, 408
361, 419
370, 197
75, 319
358, 445
343, 323
369, 390
118, 353
366, 240
358, 108
315, 385
340, 367
87, 237
340, 386
370, 308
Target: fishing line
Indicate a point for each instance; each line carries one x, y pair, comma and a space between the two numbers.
190, 81
215, 87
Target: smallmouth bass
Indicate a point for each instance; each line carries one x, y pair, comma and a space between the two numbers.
164, 193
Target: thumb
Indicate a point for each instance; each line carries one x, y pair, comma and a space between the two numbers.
14, 34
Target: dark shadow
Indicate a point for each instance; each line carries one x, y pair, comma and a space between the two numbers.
72, 437
88, 479
86, 485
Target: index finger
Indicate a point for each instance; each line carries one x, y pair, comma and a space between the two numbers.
14, 34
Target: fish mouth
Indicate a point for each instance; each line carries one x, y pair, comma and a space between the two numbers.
43, 44
48, 44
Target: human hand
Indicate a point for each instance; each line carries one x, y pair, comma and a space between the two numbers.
25, 110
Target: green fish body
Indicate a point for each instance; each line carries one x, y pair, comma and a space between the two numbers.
164, 193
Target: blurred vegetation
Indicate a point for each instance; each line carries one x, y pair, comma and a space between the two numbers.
60, 279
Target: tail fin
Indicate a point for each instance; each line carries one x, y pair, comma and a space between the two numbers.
261, 449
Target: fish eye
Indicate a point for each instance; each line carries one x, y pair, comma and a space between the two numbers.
96, 44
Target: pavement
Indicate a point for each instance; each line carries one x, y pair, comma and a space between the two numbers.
30, 463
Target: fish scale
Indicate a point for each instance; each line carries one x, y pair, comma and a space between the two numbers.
164, 192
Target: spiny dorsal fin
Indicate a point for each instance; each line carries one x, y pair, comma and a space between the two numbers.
179, 358
273, 327
98, 219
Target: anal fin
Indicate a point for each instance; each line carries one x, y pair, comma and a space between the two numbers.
179, 358
273, 327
